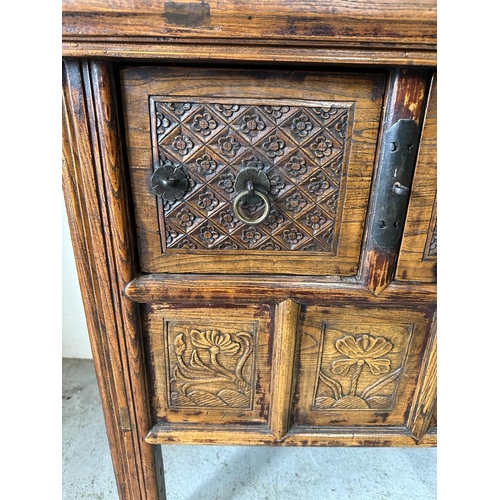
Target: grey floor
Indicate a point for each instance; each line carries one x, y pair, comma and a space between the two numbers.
239, 473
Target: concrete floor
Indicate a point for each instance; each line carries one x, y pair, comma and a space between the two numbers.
235, 473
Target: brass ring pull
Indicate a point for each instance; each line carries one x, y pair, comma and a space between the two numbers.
244, 219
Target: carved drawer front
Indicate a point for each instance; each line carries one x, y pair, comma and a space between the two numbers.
305, 140
209, 365
357, 366
418, 255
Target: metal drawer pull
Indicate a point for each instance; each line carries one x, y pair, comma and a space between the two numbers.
169, 182
252, 183
244, 219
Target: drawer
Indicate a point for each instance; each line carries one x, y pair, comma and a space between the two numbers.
305, 140
358, 366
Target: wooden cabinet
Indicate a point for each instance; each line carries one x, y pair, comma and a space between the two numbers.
253, 213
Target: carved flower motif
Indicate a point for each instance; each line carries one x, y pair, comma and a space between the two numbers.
207, 200
252, 162
269, 246
206, 165
274, 146
170, 235
332, 203
292, 235
215, 341
326, 112
204, 123
179, 344
179, 108
209, 234
252, 124
162, 123
295, 203
274, 219
360, 350
182, 144
296, 166
318, 184
276, 185
277, 111
227, 109
185, 218
227, 219
321, 147
315, 219
301, 125
226, 182
341, 126
250, 235
186, 244
228, 146
228, 245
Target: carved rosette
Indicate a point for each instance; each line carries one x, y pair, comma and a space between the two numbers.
301, 149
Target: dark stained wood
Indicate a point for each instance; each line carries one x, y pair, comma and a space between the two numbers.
406, 99
363, 22
97, 211
184, 51
418, 254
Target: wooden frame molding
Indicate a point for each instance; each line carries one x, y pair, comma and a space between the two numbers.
406, 99
284, 355
96, 201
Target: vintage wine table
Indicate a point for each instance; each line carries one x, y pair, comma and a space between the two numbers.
251, 189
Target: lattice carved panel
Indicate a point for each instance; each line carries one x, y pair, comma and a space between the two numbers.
302, 148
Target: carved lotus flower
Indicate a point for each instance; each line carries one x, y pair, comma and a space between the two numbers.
360, 350
179, 344
214, 341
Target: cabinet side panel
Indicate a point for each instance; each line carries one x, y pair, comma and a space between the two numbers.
97, 209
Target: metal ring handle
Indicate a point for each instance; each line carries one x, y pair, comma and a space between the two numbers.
238, 214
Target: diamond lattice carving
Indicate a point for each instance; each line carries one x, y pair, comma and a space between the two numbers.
301, 149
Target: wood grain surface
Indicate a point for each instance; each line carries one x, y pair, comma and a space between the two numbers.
95, 194
417, 259
349, 30
358, 366
251, 346
405, 100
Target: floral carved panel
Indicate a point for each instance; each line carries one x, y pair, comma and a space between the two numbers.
360, 370
211, 367
302, 148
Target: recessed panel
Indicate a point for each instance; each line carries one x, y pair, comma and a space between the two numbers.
209, 365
